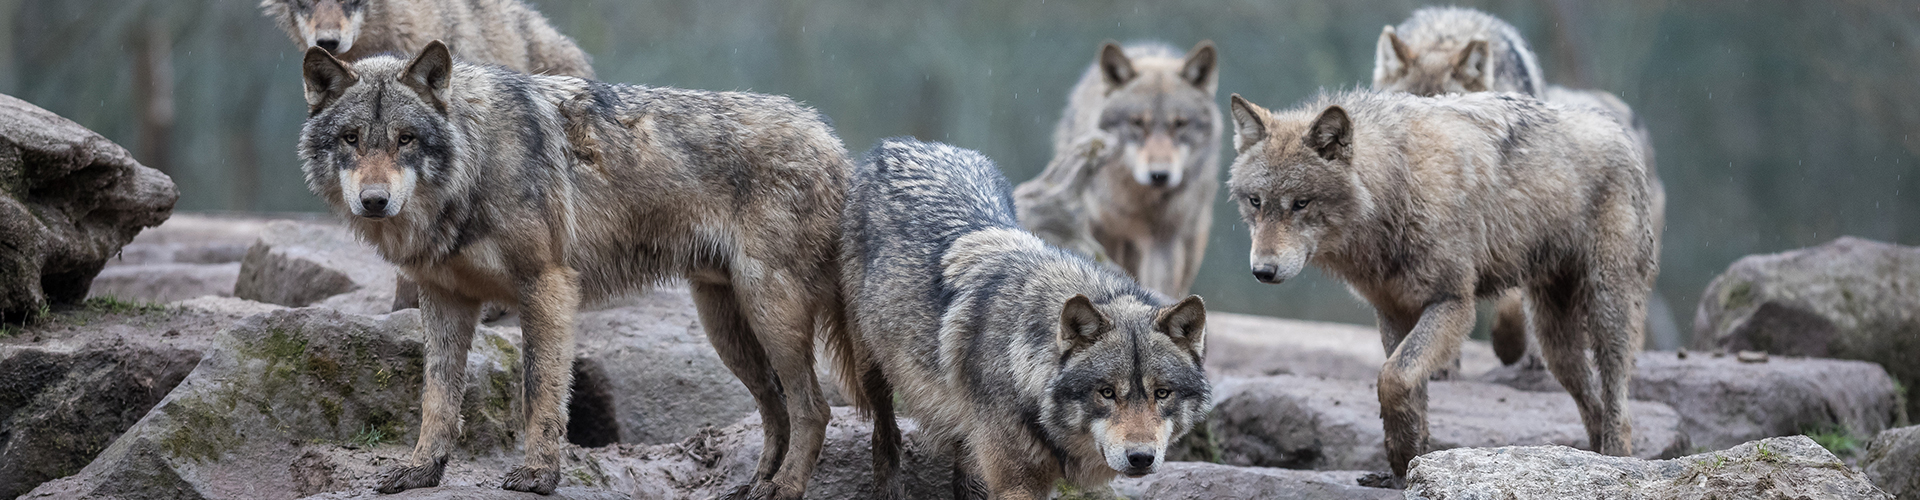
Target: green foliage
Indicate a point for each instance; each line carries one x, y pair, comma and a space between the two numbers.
114, 305
1836, 439
369, 436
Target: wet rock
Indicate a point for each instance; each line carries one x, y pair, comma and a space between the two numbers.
188, 256
1205, 481
167, 282
297, 264
644, 373
59, 407
1848, 299
69, 199
1786, 467
1251, 346
1892, 462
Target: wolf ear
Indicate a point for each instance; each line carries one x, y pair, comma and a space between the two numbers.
1473, 67
1249, 123
1390, 57
1080, 325
431, 74
1331, 135
1114, 65
326, 78
1186, 324
1200, 67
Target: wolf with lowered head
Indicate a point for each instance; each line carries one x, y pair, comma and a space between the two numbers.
487, 185
1033, 362
1423, 204
504, 32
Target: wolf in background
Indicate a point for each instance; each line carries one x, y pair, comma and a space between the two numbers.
484, 184
1054, 204
1033, 362
504, 32
1442, 50
1423, 204
1153, 206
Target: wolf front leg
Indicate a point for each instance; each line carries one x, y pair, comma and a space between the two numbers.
547, 305
449, 320
1434, 342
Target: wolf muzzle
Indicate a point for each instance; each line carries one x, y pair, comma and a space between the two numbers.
373, 202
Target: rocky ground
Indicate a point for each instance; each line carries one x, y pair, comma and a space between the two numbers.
303, 382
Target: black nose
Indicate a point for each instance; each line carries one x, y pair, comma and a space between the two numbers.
1159, 178
1139, 460
1264, 272
327, 43
374, 203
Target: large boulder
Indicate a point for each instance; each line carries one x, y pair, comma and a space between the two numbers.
1848, 299
1205, 481
69, 199
277, 382
644, 373
1328, 424
1723, 401
1892, 462
1786, 467
297, 264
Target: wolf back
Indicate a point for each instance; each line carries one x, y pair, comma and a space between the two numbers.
1038, 363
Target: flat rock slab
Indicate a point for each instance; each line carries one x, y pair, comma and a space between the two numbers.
297, 264
1327, 424
1724, 402
644, 373
1787, 467
1206, 481
1892, 462
1251, 346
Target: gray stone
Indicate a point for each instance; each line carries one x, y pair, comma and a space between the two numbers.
1848, 299
1892, 462
1327, 424
1724, 402
1786, 467
1251, 346
645, 374
60, 407
167, 282
298, 264
69, 199
1205, 481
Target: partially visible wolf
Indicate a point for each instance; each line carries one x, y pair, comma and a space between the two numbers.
485, 184
1153, 206
1442, 50
1423, 204
504, 32
1054, 204
1039, 364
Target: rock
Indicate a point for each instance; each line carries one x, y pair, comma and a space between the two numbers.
298, 264
188, 256
1205, 481
1724, 402
277, 382
1325, 424
60, 407
1892, 462
166, 282
1786, 467
1252, 346
1848, 299
644, 373
69, 199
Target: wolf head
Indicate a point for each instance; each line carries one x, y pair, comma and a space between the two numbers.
327, 24
374, 131
1294, 182
1162, 111
1445, 68
1131, 376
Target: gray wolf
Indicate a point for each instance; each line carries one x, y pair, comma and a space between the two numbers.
1054, 205
1441, 50
1153, 207
1034, 362
487, 185
504, 32
1422, 205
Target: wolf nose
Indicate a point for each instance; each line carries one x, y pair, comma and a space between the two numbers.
327, 43
1139, 459
1159, 178
374, 201
1265, 272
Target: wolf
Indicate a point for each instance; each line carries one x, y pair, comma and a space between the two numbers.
488, 185
1151, 208
1054, 205
504, 32
1034, 362
1442, 50
1423, 204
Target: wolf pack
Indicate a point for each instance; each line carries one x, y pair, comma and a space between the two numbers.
1039, 333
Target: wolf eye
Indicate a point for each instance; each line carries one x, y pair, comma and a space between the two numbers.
1106, 393
1254, 200
1162, 394
1140, 122
1301, 204
405, 139
1180, 123
351, 138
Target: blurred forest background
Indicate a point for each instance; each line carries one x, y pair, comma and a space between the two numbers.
1779, 124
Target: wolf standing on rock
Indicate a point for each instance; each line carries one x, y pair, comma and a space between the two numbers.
544, 191
1037, 362
1151, 208
1423, 204
504, 32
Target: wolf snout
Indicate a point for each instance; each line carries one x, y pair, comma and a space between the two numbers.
373, 202
1267, 273
1140, 462
330, 44
1160, 178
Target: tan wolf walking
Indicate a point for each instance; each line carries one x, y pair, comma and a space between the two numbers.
1423, 204
487, 185
504, 32
1152, 205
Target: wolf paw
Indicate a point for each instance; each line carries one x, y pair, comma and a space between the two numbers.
536, 480
405, 477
